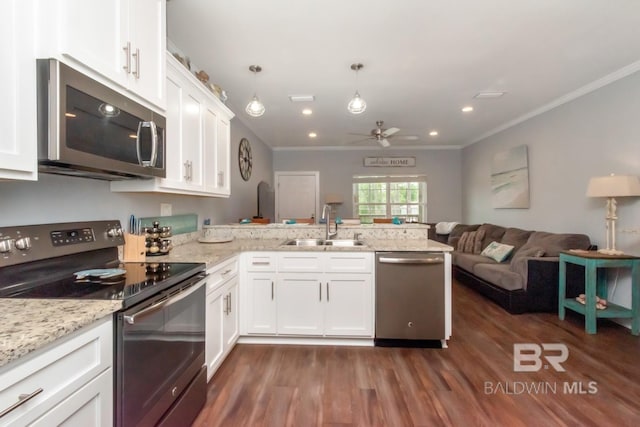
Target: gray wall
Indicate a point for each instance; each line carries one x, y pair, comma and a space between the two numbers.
594, 135
58, 199
337, 167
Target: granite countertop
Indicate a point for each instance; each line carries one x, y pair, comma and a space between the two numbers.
28, 324
214, 253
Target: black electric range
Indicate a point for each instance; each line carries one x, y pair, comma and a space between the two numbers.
50, 261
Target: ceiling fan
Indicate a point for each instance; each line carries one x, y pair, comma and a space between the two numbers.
382, 135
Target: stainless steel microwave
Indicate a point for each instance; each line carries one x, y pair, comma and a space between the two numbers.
87, 129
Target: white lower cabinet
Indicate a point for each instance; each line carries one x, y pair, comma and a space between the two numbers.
71, 380
222, 313
308, 294
260, 303
300, 308
349, 305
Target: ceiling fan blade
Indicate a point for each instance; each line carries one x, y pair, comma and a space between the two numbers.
390, 132
383, 142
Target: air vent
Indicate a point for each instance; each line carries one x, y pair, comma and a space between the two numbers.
486, 95
302, 98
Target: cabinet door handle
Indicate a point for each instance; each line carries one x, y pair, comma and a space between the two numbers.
190, 170
320, 291
226, 304
220, 179
229, 303
22, 399
327, 291
186, 170
127, 62
136, 55
272, 295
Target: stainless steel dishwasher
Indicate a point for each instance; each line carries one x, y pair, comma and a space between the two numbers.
410, 299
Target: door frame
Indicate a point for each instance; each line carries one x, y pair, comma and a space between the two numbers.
278, 174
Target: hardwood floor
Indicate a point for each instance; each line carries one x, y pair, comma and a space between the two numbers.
470, 383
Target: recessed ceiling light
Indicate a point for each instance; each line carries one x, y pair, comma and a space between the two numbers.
302, 98
433, 133
489, 94
312, 134
307, 111
467, 109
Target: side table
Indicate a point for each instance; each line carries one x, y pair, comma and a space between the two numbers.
595, 265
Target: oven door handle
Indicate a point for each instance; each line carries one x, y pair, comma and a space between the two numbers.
131, 319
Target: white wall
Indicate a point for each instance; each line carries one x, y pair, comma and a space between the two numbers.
594, 135
337, 168
59, 199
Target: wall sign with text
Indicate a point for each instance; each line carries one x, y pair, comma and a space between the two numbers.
390, 162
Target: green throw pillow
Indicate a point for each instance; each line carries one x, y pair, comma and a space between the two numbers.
497, 251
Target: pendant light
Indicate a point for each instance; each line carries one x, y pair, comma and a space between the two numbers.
255, 108
357, 105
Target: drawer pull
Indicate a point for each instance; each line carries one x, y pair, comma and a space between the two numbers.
22, 399
260, 263
224, 273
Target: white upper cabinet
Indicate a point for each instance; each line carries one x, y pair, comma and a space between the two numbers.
18, 144
197, 140
122, 40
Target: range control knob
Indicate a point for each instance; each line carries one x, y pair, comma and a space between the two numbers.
6, 245
114, 232
23, 244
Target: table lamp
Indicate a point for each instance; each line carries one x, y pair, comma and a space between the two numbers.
612, 186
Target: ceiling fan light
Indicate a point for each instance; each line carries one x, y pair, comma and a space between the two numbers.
357, 105
255, 108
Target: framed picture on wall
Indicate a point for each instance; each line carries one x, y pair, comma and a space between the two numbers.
510, 179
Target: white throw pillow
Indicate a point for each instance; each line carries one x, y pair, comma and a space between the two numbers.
497, 251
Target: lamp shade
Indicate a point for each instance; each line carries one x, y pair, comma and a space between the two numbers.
614, 186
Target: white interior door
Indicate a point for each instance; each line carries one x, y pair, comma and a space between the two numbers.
297, 195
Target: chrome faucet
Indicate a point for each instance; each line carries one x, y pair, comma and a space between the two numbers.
326, 215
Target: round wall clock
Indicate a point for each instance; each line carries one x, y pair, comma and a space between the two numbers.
245, 161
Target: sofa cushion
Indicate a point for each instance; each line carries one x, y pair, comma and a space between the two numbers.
470, 242
492, 233
553, 243
457, 231
497, 251
515, 237
520, 261
477, 245
462, 241
499, 275
468, 261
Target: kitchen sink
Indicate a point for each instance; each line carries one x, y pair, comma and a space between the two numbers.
320, 242
344, 243
304, 242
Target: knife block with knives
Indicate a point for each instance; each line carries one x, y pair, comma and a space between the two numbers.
134, 248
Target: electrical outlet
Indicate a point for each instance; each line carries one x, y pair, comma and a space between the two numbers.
165, 209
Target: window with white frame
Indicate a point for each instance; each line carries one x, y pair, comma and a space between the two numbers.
388, 196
